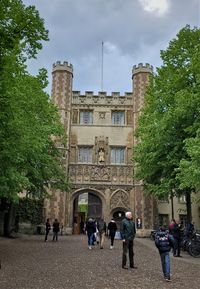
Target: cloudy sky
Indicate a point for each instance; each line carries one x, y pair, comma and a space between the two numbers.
133, 31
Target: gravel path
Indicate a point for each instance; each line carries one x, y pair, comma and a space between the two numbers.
30, 263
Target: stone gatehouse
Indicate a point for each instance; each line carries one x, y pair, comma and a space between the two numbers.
98, 153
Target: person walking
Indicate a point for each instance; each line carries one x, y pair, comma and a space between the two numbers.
47, 229
56, 229
112, 228
164, 241
90, 229
128, 232
101, 227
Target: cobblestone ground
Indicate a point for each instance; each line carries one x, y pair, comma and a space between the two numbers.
30, 263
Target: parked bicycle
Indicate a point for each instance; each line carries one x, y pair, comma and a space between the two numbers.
194, 246
191, 244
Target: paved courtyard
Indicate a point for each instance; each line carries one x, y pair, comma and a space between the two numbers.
30, 263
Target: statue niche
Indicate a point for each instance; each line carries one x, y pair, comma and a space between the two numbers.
101, 156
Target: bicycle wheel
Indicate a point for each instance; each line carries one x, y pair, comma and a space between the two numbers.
194, 249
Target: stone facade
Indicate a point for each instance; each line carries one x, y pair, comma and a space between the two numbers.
93, 128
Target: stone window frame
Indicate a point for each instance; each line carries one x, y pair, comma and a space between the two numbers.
116, 119
85, 116
113, 158
85, 154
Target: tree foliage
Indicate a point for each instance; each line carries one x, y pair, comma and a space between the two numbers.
167, 157
28, 156
30, 210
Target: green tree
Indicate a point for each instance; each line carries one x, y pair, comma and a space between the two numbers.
29, 123
170, 118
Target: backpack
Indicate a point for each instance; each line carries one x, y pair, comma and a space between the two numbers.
162, 241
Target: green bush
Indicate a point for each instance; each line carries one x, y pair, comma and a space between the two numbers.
30, 210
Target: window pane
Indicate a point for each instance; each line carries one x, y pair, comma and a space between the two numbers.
85, 155
86, 117
117, 155
118, 117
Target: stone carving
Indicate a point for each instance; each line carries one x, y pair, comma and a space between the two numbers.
101, 149
102, 115
101, 155
119, 199
100, 173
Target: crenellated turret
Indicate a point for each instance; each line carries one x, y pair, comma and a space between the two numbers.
65, 66
62, 76
140, 77
147, 68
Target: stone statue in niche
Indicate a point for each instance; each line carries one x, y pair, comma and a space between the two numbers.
101, 154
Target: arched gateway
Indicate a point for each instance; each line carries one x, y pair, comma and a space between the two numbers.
86, 203
98, 152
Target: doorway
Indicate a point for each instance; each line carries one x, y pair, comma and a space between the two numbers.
86, 204
118, 216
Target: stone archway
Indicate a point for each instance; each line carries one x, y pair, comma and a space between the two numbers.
118, 214
95, 205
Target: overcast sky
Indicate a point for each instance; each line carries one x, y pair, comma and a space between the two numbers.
133, 31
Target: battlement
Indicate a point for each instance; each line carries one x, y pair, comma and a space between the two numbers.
101, 98
100, 94
65, 66
142, 68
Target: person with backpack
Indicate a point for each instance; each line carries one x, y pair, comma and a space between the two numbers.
164, 241
101, 227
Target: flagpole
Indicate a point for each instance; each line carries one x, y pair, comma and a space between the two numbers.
102, 66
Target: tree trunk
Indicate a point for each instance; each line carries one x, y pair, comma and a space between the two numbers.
189, 206
172, 204
9, 221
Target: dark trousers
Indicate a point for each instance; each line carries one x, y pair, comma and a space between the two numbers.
46, 235
177, 247
128, 248
112, 236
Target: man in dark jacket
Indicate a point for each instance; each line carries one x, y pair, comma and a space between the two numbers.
176, 233
56, 229
164, 241
112, 228
128, 234
90, 230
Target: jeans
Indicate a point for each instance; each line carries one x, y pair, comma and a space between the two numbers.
55, 236
90, 239
165, 264
128, 248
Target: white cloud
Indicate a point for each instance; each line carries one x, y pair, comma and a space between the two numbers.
158, 7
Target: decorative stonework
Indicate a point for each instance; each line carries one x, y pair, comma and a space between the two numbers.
100, 173
120, 199
102, 115
101, 149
